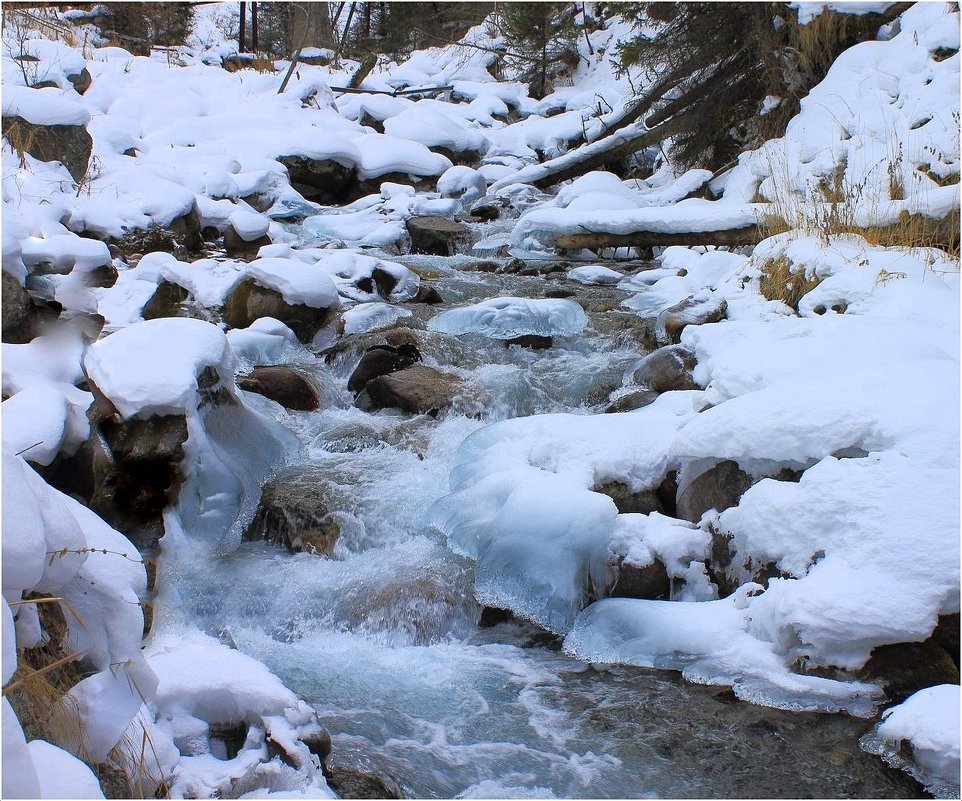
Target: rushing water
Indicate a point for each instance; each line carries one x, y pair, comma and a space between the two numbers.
384, 637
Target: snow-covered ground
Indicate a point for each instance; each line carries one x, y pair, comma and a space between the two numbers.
853, 390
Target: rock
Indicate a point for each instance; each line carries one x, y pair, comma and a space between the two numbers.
296, 511
631, 401
351, 782
436, 236
481, 267
283, 384
720, 487
187, 230
427, 294
325, 180
381, 360
318, 744
138, 474
666, 369
249, 301
634, 581
81, 81
18, 311
237, 246
719, 564
416, 389
672, 321
947, 633
904, 668
486, 210
641, 502
166, 301
68, 144
533, 341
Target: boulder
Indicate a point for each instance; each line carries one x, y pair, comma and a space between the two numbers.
427, 294
666, 369
236, 246
249, 301
81, 81
18, 311
166, 301
416, 389
349, 781
486, 209
296, 511
672, 321
68, 144
381, 360
631, 401
641, 502
323, 180
720, 487
650, 582
290, 388
435, 236
904, 668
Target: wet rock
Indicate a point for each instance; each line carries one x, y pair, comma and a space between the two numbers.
437, 236
319, 744
904, 668
666, 369
68, 144
946, 634
296, 510
236, 246
81, 81
674, 320
560, 293
486, 209
720, 487
381, 360
352, 782
167, 301
228, 737
650, 582
416, 389
631, 401
138, 474
427, 294
719, 563
322, 180
187, 230
481, 267
513, 267
532, 341
641, 502
18, 311
249, 301
290, 388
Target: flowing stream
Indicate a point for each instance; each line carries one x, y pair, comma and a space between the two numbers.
384, 637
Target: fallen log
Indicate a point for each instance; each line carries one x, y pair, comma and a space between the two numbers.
732, 237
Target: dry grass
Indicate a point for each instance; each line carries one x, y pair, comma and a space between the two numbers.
21, 138
781, 280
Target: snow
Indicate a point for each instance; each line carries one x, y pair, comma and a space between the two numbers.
47, 106
62, 775
120, 367
464, 183
44, 420
507, 318
595, 274
297, 282
929, 721
249, 225
372, 317
19, 774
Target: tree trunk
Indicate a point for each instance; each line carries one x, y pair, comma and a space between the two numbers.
310, 26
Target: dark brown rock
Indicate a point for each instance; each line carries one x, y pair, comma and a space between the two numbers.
632, 401
381, 360
68, 144
906, 667
436, 236
283, 384
81, 81
18, 311
946, 634
296, 510
352, 782
720, 487
533, 341
324, 180
236, 246
674, 320
666, 369
485, 210
187, 230
635, 581
250, 301
416, 389
641, 502
427, 294
166, 301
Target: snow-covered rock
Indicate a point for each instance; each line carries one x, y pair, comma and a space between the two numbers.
509, 318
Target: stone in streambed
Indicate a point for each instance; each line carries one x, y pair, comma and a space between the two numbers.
285, 385
418, 389
381, 360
